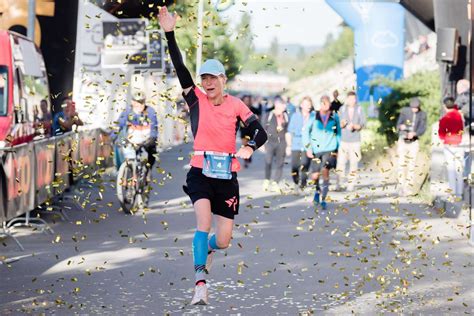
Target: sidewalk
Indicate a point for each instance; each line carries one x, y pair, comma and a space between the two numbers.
370, 253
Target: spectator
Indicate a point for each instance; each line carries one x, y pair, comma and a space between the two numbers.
267, 107
299, 161
462, 99
335, 104
423, 42
290, 108
275, 148
43, 119
411, 125
352, 118
450, 132
67, 119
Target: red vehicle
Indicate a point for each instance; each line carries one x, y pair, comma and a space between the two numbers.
25, 106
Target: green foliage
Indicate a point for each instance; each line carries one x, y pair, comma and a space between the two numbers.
261, 62
333, 52
244, 38
216, 41
424, 85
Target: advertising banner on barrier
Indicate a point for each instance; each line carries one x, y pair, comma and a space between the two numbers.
74, 163
105, 149
62, 163
45, 155
19, 167
87, 152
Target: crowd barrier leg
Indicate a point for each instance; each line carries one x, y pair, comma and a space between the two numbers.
5, 232
27, 221
59, 211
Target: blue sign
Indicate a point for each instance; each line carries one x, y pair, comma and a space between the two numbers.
379, 41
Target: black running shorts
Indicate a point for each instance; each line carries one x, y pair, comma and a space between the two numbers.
223, 194
323, 160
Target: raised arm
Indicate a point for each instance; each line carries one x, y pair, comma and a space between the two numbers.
168, 22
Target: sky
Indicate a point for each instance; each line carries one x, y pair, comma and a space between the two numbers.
302, 22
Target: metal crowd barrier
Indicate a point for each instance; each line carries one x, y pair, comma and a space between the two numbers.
35, 173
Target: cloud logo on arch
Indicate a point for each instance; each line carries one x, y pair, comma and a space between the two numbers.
384, 39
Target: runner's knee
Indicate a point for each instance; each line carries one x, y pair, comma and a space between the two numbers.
223, 243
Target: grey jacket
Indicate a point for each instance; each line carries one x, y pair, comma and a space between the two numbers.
274, 134
358, 118
406, 117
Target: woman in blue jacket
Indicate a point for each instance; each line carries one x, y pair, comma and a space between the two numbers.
321, 138
299, 161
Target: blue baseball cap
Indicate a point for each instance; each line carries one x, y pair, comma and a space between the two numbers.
212, 67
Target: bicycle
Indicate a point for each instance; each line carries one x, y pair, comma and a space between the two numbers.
132, 179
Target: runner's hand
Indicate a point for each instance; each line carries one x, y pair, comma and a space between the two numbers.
244, 152
288, 151
167, 20
309, 153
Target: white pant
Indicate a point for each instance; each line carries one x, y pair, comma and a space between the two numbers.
407, 153
348, 152
454, 156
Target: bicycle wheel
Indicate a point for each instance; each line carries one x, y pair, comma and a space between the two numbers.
145, 186
126, 191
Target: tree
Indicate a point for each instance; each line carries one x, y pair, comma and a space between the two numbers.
216, 40
261, 62
244, 38
301, 53
274, 48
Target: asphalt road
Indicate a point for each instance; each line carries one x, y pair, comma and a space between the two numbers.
370, 253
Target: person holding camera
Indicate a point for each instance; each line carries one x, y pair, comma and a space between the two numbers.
411, 125
352, 119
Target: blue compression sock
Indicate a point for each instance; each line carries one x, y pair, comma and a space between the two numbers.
213, 243
200, 254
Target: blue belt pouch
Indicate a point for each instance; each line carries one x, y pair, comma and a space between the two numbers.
217, 166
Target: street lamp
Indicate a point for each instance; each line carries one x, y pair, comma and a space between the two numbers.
31, 19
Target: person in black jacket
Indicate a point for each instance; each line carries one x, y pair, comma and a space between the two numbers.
275, 149
336, 103
411, 125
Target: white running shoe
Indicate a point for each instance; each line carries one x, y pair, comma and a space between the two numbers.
266, 184
200, 295
275, 187
210, 256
